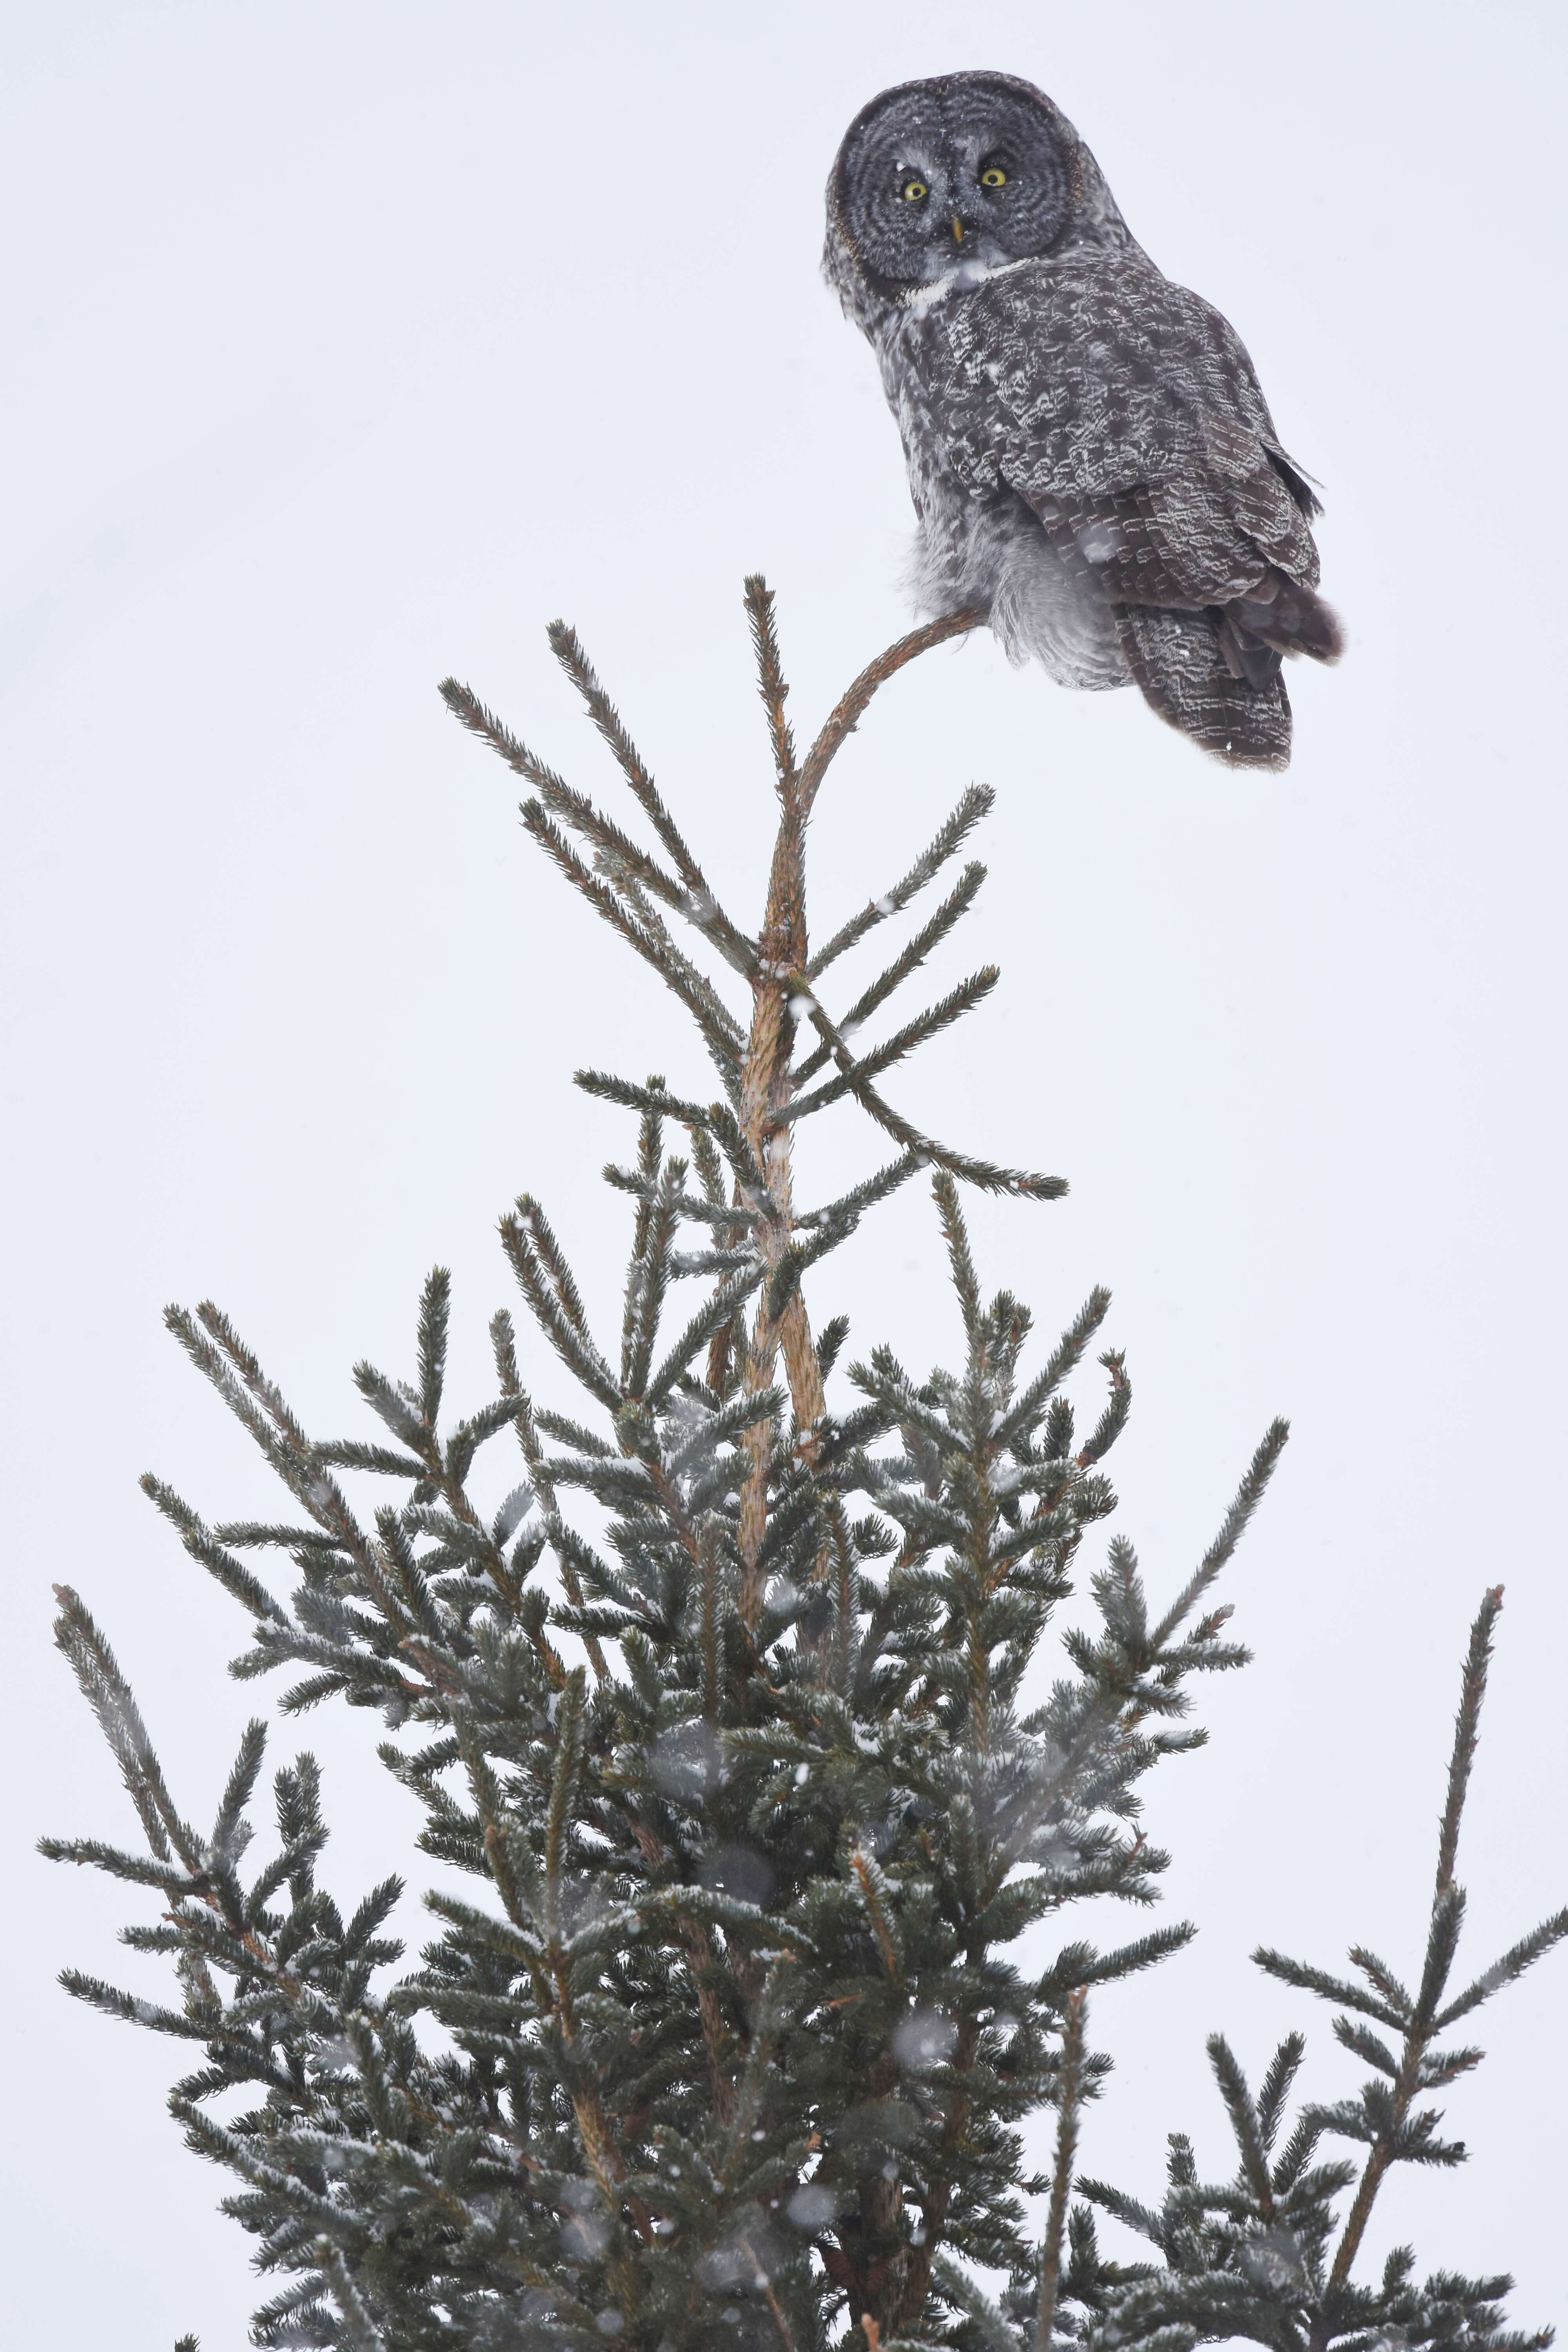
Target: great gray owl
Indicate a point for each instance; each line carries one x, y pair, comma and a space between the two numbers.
1089, 454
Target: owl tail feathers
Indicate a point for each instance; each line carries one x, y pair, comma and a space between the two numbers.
1286, 617
1179, 661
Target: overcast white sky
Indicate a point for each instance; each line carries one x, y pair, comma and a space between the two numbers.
349, 345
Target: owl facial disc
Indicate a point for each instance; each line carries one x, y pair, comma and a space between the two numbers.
954, 178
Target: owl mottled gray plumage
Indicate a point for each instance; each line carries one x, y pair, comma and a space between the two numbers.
1089, 454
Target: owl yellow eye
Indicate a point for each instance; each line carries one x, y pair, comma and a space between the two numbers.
915, 192
994, 176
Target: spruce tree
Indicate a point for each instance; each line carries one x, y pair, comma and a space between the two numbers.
720, 1722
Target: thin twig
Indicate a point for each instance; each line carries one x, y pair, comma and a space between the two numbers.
845, 717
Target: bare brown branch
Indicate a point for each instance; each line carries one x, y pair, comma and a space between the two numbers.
845, 717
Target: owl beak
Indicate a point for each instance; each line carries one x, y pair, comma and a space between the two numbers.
957, 230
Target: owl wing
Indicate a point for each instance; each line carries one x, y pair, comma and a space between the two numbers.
1125, 412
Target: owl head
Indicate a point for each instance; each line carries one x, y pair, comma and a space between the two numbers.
949, 179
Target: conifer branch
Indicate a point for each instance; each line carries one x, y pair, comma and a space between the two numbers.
1466, 1731
758, 599
981, 1173
707, 912
504, 1348
977, 801
711, 1319
108, 1694
953, 910
546, 1282
1392, 2128
1070, 2104
930, 1024
732, 2032
219, 1562
711, 1119
360, 2330
1248, 1495
1266, 2252
694, 900
680, 977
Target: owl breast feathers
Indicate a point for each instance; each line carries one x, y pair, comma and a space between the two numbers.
1090, 457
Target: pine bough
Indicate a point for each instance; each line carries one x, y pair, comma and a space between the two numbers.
730, 2045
